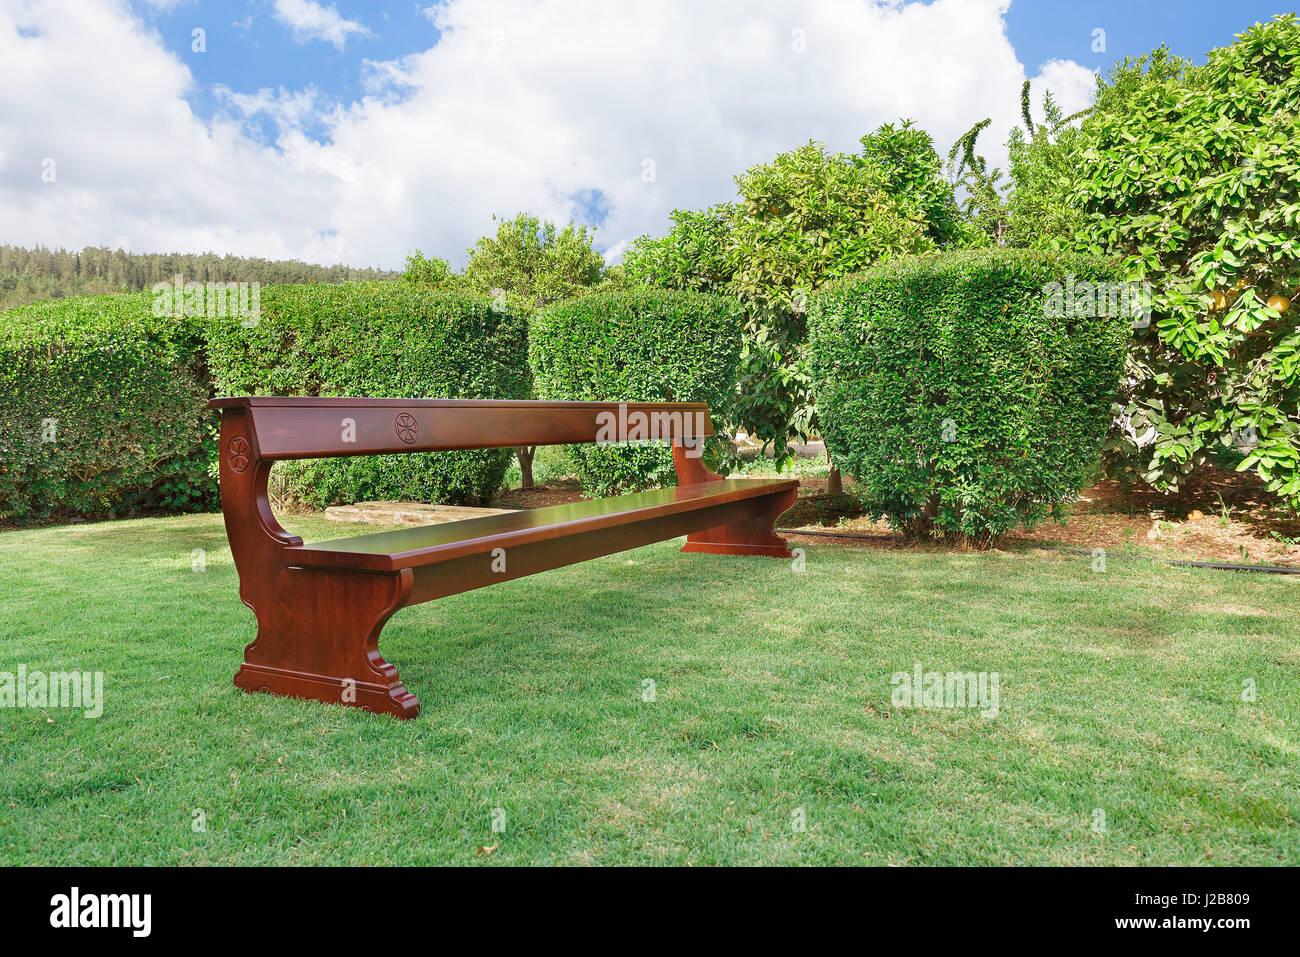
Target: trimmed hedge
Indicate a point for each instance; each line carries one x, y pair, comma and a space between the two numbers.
102, 410
958, 394
377, 339
640, 345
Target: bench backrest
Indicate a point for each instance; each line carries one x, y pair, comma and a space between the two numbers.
300, 428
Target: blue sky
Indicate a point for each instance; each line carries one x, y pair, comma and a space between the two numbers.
249, 49
356, 132
1045, 29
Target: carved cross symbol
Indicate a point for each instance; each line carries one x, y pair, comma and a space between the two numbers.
408, 430
239, 453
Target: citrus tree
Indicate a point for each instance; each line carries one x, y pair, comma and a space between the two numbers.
1194, 184
1040, 210
806, 218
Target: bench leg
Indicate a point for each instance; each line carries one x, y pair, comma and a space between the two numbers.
318, 637
753, 536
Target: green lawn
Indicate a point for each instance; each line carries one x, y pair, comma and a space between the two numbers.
1121, 691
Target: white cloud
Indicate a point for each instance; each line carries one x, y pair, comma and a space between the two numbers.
520, 106
288, 109
1072, 86
314, 21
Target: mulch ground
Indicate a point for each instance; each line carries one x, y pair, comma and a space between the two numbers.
1218, 515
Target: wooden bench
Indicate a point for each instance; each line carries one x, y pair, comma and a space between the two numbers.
320, 607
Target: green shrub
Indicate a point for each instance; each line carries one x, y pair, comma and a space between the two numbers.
102, 410
959, 394
640, 345
377, 339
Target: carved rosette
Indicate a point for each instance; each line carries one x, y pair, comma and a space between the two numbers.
238, 453
406, 427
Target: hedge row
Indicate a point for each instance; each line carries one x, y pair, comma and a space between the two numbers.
377, 339
963, 391
102, 410
642, 345
124, 390
945, 384
103, 402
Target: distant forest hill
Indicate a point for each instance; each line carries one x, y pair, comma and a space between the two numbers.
30, 275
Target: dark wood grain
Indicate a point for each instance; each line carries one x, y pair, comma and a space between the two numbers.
320, 607
410, 547
296, 428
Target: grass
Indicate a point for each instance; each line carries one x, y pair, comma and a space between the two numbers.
1121, 691
551, 464
801, 468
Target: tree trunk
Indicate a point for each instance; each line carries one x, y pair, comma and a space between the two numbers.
834, 484
525, 454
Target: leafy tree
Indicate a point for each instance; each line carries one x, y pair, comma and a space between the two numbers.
1193, 180
529, 264
532, 263
982, 205
806, 218
693, 256
433, 272
913, 174
1040, 210
1040, 172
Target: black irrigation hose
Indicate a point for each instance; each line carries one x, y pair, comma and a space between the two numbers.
799, 531
1186, 563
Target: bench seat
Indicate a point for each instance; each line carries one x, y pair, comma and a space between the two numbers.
430, 544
